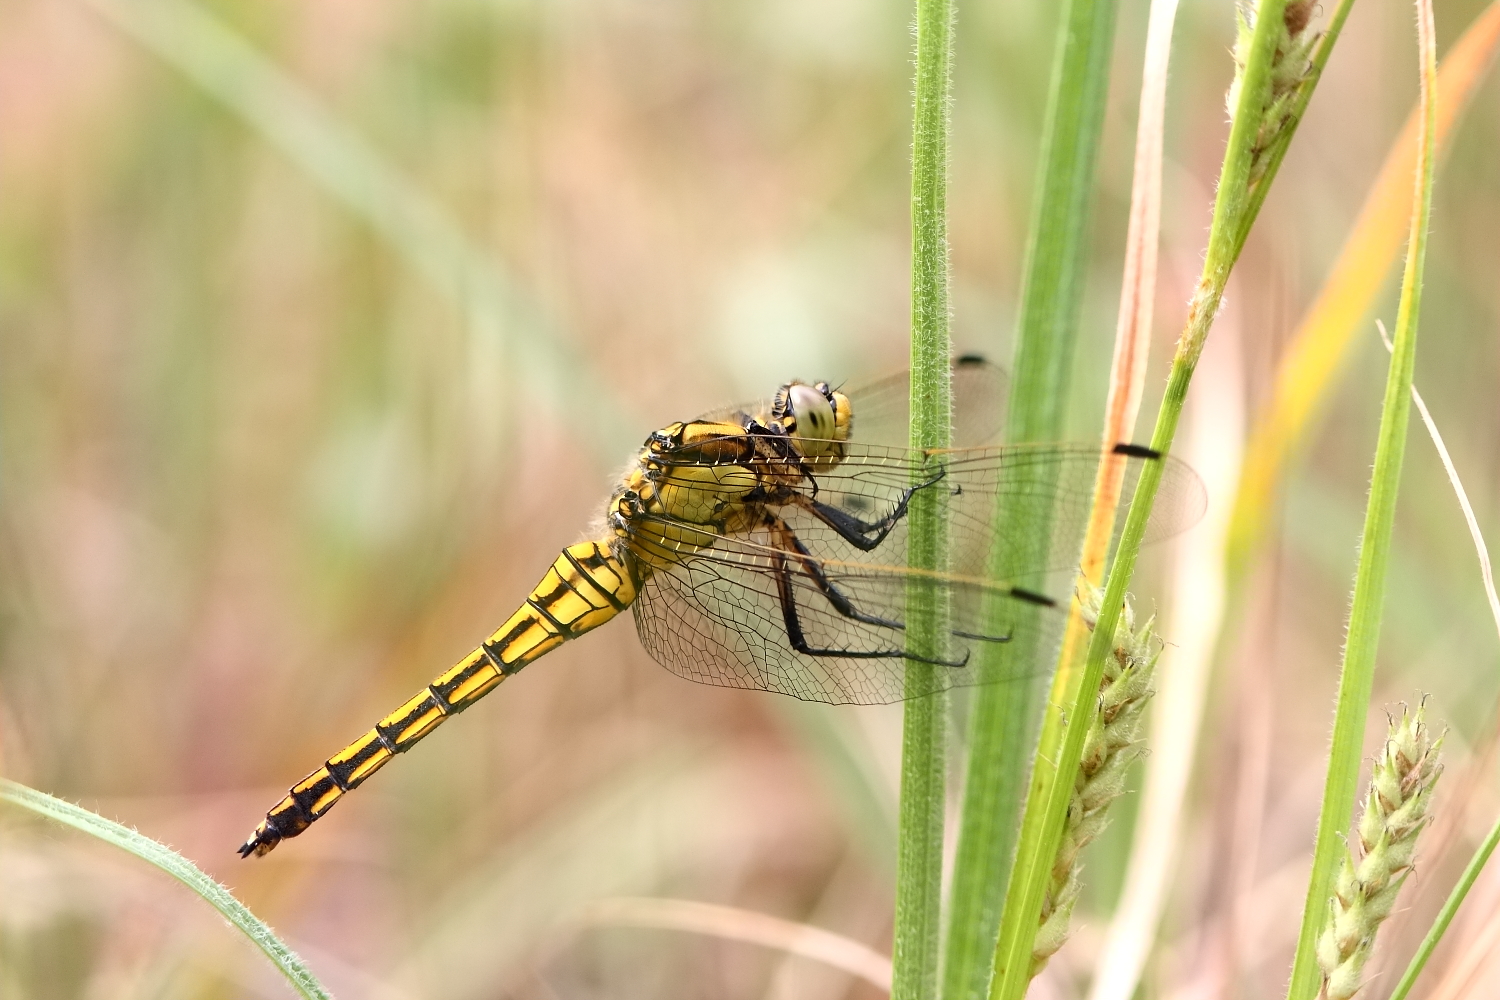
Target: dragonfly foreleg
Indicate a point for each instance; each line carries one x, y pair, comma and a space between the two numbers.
791, 548
858, 532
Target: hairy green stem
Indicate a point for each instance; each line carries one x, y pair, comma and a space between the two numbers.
919, 859
1003, 721
1445, 916
1277, 152
1356, 675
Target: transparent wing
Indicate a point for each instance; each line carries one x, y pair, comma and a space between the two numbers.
722, 618
721, 615
1014, 510
980, 395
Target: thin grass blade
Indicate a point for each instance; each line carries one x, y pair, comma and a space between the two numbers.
1487, 847
1003, 719
1452, 985
1356, 676
177, 866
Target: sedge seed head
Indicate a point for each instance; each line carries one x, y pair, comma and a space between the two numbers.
1291, 66
1110, 745
1376, 864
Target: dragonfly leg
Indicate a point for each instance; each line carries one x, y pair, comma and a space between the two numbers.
857, 532
809, 565
793, 549
813, 569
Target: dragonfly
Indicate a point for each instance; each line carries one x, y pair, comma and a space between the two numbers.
763, 546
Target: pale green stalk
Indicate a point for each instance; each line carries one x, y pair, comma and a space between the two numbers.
1003, 721
1356, 676
919, 860
1073, 706
177, 866
1445, 916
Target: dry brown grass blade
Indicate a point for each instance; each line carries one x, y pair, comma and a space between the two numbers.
1133, 325
1137, 290
734, 924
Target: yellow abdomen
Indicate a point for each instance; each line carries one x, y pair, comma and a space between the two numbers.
586, 587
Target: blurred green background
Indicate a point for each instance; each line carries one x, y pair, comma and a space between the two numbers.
324, 326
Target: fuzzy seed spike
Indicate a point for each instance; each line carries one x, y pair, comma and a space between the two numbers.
1289, 69
1110, 746
1376, 865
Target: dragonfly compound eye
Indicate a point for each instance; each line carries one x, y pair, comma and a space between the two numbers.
809, 419
843, 415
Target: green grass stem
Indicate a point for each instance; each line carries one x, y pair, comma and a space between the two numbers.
1073, 702
177, 866
1003, 719
1445, 916
919, 859
1356, 676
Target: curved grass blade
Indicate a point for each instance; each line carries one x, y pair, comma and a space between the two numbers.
177, 866
1356, 675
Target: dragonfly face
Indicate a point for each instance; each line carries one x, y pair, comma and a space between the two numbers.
818, 418
765, 547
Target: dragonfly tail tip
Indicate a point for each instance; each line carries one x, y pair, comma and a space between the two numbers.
261, 842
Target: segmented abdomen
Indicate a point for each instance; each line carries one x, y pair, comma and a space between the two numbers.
586, 587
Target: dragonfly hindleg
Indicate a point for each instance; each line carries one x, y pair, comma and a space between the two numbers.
791, 548
841, 603
792, 545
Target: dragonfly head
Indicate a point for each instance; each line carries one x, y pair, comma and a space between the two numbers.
817, 417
